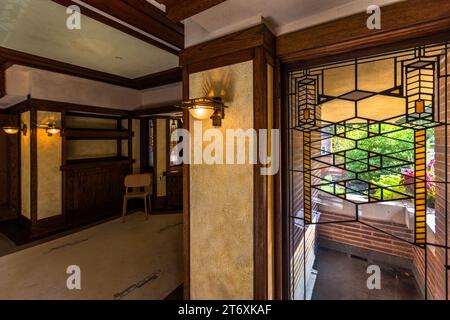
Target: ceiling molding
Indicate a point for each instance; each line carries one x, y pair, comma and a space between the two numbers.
145, 112
138, 15
400, 21
10, 57
29, 60
159, 79
179, 10
119, 26
258, 36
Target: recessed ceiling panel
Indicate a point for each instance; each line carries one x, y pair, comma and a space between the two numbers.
38, 27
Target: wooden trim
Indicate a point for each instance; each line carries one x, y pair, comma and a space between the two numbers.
159, 79
278, 198
130, 140
29, 60
400, 21
149, 81
89, 115
186, 199
144, 128
95, 134
147, 112
33, 165
63, 164
57, 106
179, 10
221, 61
260, 241
139, 16
19, 107
246, 39
2, 79
284, 165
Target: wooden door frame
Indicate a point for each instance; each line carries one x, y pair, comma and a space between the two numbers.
428, 31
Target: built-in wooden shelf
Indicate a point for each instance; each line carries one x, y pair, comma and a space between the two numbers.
95, 162
95, 134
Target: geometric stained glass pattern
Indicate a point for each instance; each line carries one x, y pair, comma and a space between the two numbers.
366, 128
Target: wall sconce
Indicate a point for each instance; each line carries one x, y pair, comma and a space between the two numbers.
206, 108
50, 128
15, 130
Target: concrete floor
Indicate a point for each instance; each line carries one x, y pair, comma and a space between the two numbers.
340, 277
134, 260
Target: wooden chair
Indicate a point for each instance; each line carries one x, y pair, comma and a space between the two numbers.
137, 181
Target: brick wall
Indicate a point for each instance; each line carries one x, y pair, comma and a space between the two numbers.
362, 236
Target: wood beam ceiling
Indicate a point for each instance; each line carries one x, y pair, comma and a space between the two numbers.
179, 10
140, 15
10, 57
399, 23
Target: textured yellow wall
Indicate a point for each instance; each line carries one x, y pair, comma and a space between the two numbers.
25, 167
91, 123
49, 200
221, 197
85, 149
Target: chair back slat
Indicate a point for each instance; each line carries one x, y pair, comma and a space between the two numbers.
138, 180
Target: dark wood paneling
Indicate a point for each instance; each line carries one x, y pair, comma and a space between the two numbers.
249, 38
400, 21
159, 79
93, 134
57, 106
180, 10
260, 184
144, 145
2, 82
186, 199
33, 165
278, 202
154, 111
174, 189
141, 18
119, 26
226, 60
9, 170
94, 189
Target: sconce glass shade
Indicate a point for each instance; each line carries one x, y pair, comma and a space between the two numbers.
205, 108
11, 130
50, 128
201, 113
15, 130
53, 131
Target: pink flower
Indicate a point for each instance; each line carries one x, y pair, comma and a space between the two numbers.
431, 163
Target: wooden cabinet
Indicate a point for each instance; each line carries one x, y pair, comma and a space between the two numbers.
174, 189
94, 189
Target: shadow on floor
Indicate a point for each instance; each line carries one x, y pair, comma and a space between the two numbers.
340, 277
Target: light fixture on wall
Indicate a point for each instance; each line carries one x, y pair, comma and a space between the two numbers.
50, 128
15, 129
206, 108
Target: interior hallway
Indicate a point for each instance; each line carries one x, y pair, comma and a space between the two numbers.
137, 259
340, 277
